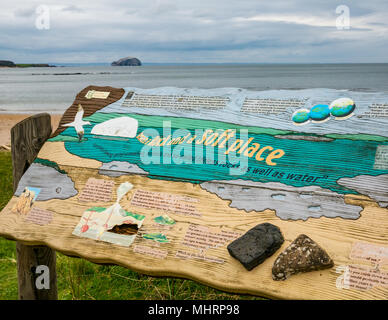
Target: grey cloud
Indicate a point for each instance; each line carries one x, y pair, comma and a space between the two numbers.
190, 31
24, 12
73, 8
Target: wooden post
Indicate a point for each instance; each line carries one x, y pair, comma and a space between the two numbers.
27, 137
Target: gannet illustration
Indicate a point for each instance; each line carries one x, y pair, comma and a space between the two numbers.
78, 123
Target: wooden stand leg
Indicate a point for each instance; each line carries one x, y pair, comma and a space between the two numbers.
28, 259
27, 137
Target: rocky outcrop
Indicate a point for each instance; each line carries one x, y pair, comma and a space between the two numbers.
33, 65
10, 64
6, 63
128, 61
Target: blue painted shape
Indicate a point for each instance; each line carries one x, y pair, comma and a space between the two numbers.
301, 116
342, 107
320, 112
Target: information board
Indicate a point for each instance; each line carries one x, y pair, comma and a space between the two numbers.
163, 180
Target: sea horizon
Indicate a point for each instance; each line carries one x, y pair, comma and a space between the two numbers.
77, 64
53, 89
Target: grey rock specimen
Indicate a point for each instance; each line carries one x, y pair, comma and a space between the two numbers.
302, 255
128, 61
53, 184
256, 245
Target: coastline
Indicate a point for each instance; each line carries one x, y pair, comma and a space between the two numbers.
7, 121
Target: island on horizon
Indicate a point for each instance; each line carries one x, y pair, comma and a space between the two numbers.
11, 64
128, 61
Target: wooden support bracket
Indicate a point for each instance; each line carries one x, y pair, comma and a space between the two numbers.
27, 138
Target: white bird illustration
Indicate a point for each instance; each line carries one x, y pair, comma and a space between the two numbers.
78, 123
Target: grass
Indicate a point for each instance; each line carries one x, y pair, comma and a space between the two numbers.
79, 279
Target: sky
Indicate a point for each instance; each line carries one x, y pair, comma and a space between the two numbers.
194, 31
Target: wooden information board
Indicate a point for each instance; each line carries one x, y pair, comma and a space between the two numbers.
163, 180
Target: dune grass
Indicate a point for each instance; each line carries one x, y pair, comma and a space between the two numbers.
79, 279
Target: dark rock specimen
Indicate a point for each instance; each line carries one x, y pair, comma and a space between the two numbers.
302, 255
6, 63
256, 245
128, 61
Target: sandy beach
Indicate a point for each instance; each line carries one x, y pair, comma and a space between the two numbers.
7, 121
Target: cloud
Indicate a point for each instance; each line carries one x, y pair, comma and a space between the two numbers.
73, 8
24, 12
195, 31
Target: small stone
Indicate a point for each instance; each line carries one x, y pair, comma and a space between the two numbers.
303, 255
256, 245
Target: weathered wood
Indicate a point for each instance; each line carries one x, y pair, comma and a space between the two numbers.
229, 275
27, 138
28, 258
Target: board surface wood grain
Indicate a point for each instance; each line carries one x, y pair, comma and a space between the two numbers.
177, 219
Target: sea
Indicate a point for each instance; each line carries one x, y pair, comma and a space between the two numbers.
32, 90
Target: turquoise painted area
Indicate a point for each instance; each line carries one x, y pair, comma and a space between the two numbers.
305, 162
342, 107
319, 112
301, 116
342, 111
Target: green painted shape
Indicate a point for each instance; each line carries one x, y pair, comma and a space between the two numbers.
159, 237
301, 116
165, 220
49, 163
97, 209
134, 215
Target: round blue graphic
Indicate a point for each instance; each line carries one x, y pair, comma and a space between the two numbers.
342, 108
320, 112
301, 116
